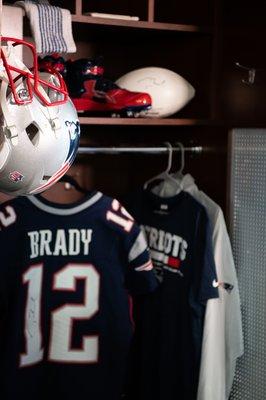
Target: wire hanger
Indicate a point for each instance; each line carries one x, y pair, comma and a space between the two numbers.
166, 188
69, 179
165, 176
251, 74
179, 173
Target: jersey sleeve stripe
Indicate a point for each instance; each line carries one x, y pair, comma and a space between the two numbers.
145, 267
139, 246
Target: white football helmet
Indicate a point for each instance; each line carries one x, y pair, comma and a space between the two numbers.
39, 127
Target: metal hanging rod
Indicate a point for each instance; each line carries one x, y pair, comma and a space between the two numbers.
143, 150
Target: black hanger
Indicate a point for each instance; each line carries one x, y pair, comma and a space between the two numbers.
69, 179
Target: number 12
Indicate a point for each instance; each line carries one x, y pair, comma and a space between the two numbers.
62, 318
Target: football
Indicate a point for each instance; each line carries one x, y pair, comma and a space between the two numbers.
169, 91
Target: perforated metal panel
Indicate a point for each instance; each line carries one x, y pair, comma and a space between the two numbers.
248, 221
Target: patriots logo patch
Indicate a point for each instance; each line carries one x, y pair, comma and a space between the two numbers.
16, 176
73, 129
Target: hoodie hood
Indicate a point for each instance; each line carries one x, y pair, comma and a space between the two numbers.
168, 189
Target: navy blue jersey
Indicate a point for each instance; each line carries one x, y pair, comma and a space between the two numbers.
66, 273
171, 319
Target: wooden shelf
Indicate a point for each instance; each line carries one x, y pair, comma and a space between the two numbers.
140, 24
145, 121
225, 122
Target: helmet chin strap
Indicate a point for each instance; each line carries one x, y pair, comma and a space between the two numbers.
10, 128
51, 113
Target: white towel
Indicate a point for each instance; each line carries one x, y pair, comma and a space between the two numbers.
51, 27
